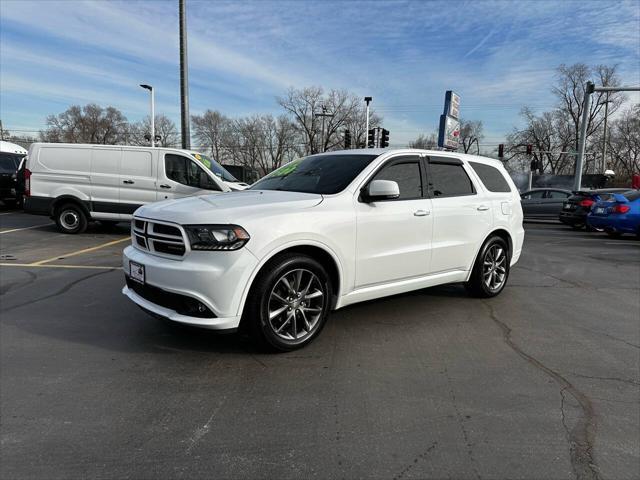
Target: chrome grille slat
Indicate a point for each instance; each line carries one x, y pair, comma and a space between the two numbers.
145, 237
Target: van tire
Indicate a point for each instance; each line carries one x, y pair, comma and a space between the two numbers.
71, 218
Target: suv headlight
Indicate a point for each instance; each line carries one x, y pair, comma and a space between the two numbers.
216, 237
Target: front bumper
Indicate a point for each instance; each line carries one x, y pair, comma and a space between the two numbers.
217, 279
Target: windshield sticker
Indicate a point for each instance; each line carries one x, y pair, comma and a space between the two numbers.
287, 169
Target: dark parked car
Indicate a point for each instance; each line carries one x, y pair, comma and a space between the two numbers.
578, 205
8, 177
543, 202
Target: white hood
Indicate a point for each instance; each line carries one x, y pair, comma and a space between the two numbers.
229, 207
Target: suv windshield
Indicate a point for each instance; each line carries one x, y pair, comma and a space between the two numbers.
217, 169
323, 174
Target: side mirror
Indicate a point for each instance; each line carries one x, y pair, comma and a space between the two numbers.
380, 190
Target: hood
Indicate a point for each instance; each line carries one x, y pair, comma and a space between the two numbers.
229, 207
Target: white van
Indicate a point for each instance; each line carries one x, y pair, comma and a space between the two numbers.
76, 183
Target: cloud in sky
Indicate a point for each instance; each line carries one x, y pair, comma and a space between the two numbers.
498, 55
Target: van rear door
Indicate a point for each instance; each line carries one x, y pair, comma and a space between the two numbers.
138, 174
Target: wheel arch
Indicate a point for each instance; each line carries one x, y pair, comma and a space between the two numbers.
320, 252
500, 232
63, 199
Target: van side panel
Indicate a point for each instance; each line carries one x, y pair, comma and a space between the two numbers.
138, 174
59, 171
105, 180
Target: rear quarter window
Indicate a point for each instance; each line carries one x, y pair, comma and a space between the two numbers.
491, 177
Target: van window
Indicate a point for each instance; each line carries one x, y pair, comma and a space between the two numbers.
450, 180
65, 159
185, 171
136, 163
491, 177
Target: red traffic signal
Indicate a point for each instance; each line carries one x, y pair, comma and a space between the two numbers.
529, 149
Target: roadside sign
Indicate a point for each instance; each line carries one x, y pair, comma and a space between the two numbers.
449, 131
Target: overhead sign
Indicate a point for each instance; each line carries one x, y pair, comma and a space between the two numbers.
449, 131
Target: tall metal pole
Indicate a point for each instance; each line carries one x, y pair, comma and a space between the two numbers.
366, 131
153, 117
604, 134
184, 79
588, 90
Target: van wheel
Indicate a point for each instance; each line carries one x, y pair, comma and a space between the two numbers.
289, 303
70, 218
491, 269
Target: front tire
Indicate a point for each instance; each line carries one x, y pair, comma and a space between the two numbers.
70, 218
491, 269
289, 303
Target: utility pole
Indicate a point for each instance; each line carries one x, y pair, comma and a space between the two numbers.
323, 114
586, 103
184, 78
367, 101
604, 134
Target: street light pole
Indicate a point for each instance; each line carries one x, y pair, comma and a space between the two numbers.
366, 131
184, 79
604, 134
153, 113
588, 90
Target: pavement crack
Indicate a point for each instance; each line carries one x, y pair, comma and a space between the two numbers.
581, 436
17, 285
64, 289
559, 279
610, 336
406, 470
615, 379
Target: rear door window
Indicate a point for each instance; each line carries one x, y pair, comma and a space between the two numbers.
538, 194
449, 179
555, 194
491, 177
407, 175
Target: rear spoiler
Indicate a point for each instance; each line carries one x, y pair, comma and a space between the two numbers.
620, 198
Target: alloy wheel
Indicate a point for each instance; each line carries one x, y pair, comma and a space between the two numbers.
494, 267
295, 305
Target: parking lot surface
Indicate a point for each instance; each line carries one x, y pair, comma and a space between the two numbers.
540, 382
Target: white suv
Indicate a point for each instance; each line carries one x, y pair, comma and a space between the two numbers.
323, 232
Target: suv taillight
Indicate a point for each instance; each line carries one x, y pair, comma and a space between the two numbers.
618, 208
27, 182
586, 202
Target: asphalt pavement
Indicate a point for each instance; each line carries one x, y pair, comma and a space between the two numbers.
542, 381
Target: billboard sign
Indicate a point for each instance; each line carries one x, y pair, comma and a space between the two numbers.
449, 131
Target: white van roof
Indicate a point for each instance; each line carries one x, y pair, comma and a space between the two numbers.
11, 148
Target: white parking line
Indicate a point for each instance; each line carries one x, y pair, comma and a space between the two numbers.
25, 228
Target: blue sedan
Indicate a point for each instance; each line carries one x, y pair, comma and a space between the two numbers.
618, 214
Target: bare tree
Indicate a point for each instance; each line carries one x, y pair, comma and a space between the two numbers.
470, 134
425, 142
88, 124
211, 129
140, 132
623, 143
346, 112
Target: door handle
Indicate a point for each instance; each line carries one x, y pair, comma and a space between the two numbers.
421, 213
128, 182
165, 186
483, 208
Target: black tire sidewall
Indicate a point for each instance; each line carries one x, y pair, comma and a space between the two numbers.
82, 223
260, 300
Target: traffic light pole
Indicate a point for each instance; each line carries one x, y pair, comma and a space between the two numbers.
586, 104
367, 101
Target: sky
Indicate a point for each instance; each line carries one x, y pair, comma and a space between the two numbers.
497, 55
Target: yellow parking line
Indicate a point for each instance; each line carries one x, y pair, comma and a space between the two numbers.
79, 252
31, 265
25, 228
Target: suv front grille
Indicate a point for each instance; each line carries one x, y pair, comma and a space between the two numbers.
156, 237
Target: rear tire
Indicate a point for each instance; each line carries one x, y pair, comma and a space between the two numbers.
491, 269
70, 218
288, 303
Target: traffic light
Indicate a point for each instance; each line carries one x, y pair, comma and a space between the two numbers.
501, 150
347, 139
371, 138
384, 138
529, 149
